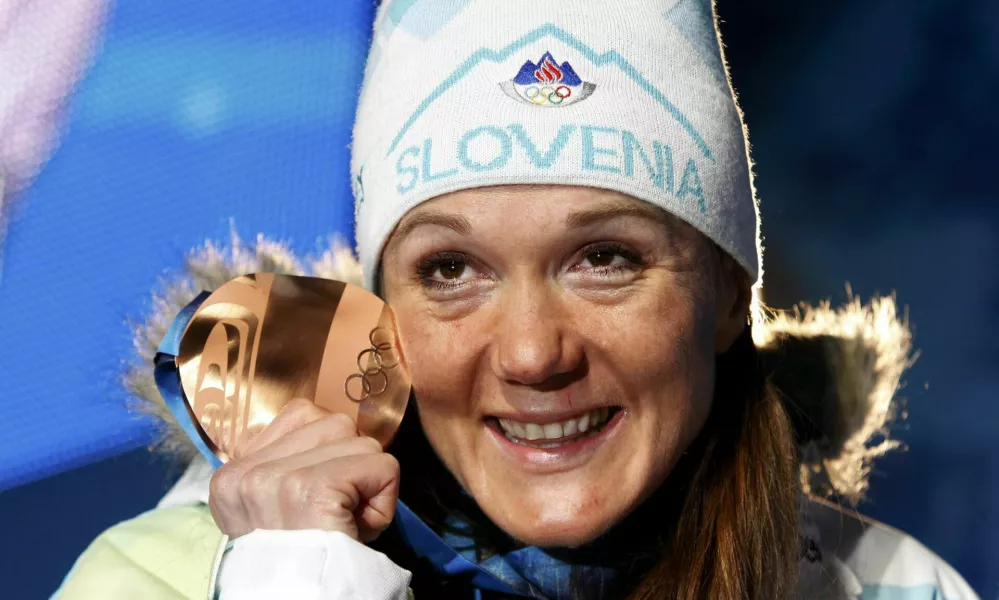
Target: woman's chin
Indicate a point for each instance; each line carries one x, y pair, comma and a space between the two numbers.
570, 531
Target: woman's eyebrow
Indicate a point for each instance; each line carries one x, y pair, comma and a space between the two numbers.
456, 223
607, 212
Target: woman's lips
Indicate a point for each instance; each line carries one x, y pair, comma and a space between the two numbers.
541, 449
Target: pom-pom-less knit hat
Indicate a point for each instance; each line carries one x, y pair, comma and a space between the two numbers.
629, 95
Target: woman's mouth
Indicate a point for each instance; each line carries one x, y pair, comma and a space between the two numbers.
545, 447
555, 434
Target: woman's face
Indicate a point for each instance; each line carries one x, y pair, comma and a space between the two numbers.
562, 344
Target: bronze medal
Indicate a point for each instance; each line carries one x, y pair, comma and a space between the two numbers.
262, 340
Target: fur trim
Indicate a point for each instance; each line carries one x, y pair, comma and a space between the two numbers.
837, 369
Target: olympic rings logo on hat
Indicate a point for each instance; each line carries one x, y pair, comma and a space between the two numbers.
547, 83
547, 94
384, 357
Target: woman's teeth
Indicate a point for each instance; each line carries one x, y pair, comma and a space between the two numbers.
520, 432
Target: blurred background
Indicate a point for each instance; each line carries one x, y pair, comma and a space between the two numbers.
874, 129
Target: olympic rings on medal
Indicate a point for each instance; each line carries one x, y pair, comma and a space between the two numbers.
365, 387
370, 370
385, 357
547, 94
384, 348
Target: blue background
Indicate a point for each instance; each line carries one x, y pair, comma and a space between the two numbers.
874, 134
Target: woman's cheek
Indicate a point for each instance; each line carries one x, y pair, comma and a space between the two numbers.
439, 365
667, 352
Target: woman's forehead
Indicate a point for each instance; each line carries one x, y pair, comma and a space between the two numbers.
570, 207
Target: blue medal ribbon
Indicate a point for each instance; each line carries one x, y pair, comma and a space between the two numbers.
168, 378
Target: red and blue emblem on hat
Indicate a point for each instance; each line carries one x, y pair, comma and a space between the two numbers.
548, 84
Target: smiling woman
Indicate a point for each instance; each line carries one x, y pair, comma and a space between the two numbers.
580, 367
579, 348
592, 415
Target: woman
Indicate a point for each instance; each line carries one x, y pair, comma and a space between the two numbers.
555, 198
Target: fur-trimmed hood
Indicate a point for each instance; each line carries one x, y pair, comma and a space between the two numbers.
838, 369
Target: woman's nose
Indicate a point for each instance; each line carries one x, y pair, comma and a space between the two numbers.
534, 340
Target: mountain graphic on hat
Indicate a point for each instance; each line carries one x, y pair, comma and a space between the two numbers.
548, 84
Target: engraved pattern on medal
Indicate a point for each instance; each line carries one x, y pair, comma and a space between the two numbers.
225, 373
220, 381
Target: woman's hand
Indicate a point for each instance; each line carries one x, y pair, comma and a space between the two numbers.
308, 469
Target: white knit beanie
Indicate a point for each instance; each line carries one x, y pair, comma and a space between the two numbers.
627, 95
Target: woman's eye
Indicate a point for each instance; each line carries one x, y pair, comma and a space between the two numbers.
452, 269
608, 258
601, 258
445, 270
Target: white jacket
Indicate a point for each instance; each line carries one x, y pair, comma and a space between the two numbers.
860, 560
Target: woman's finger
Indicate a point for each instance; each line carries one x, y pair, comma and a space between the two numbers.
330, 428
354, 494
322, 454
247, 497
281, 438
294, 415
380, 493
